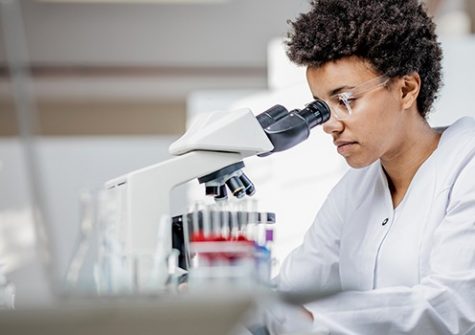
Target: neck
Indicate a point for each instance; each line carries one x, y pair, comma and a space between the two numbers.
400, 166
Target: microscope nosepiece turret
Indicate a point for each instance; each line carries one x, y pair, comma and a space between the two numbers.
229, 178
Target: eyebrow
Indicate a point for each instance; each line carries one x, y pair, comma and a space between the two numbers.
337, 90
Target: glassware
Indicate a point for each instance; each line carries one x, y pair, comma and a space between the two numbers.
103, 266
7, 293
117, 271
227, 245
77, 279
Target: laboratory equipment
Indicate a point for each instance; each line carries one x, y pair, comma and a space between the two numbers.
212, 150
7, 292
224, 245
88, 206
221, 220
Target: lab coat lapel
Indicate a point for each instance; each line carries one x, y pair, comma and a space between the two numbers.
364, 233
427, 201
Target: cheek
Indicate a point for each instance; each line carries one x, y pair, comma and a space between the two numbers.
372, 131
380, 116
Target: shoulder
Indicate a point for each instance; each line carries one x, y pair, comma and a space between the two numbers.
460, 132
459, 138
456, 150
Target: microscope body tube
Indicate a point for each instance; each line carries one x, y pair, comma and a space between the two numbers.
287, 129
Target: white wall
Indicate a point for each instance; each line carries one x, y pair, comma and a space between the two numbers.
231, 33
455, 98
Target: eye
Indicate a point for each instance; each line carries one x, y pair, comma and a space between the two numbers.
345, 99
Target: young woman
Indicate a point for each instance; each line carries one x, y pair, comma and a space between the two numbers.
397, 234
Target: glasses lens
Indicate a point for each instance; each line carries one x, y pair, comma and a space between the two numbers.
340, 103
340, 108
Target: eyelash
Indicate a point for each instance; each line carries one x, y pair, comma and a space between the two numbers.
344, 99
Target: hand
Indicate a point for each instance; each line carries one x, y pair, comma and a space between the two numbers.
308, 313
183, 287
282, 318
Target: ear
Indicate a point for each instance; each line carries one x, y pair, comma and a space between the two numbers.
410, 87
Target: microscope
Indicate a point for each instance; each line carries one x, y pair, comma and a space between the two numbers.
212, 150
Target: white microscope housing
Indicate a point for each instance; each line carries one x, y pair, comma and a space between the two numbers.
214, 141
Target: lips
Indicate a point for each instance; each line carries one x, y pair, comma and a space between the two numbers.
344, 147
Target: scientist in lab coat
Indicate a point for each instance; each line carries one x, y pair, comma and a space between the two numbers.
396, 235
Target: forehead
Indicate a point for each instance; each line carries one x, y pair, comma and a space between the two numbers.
345, 72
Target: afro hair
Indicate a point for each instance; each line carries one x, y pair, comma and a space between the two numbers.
397, 37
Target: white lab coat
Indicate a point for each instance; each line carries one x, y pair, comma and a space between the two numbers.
409, 270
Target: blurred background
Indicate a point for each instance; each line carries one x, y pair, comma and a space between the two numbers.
109, 85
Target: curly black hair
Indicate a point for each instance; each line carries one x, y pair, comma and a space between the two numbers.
396, 37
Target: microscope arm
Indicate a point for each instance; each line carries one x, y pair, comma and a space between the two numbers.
148, 191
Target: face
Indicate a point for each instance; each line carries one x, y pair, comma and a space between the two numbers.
374, 128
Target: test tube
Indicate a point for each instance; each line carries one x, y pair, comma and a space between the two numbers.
269, 229
206, 219
215, 221
186, 239
195, 220
234, 223
243, 216
252, 220
226, 217
172, 265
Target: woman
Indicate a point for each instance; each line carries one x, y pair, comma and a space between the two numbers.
397, 234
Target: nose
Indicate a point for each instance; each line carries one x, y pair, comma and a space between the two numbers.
333, 125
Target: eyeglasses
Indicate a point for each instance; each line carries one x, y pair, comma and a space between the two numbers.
341, 103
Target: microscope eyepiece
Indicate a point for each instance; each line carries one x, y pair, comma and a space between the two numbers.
315, 113
286, 130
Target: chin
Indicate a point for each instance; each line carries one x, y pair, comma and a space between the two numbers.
358, 163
